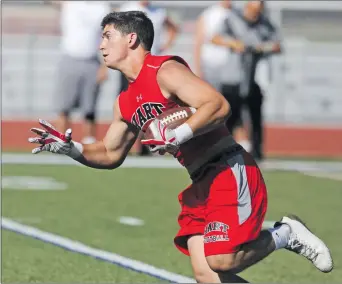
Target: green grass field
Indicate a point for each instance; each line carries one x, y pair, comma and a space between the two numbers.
88, 210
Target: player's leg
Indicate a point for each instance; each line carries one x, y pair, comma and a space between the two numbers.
231, 93
189, 239
236, 209
254, 105
241, 133
89, 128
235, 213
292, 235
235, 122
201, 270
248, 255
68, 79
89, 96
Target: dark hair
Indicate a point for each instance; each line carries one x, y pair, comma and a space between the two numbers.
132, 22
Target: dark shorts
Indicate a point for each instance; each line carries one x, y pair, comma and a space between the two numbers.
76, 84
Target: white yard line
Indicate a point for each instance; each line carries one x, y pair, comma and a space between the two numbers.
327, 175
78, 247
130, 221
50, 159
165, 162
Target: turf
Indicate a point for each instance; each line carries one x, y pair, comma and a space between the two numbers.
29, 260
88, 210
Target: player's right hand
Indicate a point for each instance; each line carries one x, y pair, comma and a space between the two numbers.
53, 141
164, 141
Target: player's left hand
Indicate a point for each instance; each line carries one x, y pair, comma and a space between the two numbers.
164, 141
51, 140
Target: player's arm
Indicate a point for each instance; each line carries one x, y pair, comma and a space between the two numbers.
111, 152
179, 83
106, 154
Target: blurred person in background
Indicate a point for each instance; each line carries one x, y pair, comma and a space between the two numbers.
217, 64
161, 22
80, 71
257, 38
209, 58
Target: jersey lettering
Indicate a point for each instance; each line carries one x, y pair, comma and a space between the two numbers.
148, 111
145, 113
158, 107
134, 121
142, 118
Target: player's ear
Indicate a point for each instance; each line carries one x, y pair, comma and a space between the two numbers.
133, 40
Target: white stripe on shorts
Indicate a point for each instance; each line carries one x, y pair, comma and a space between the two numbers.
238, 167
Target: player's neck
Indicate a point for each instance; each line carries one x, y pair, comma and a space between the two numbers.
133, 64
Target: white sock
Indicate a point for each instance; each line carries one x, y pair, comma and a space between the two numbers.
280, 235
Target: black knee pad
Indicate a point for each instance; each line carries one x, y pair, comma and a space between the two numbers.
90, 117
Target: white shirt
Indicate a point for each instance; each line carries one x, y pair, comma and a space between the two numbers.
81, 27
213, 18
158, 17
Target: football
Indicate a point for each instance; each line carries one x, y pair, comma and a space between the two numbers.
172, 118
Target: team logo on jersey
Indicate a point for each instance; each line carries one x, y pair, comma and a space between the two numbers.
145, 112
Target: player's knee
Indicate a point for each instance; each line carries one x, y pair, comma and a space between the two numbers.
90, 116
222, 263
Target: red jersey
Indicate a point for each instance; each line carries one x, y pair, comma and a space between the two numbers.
143, 101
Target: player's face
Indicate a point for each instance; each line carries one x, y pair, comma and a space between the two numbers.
114, 46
